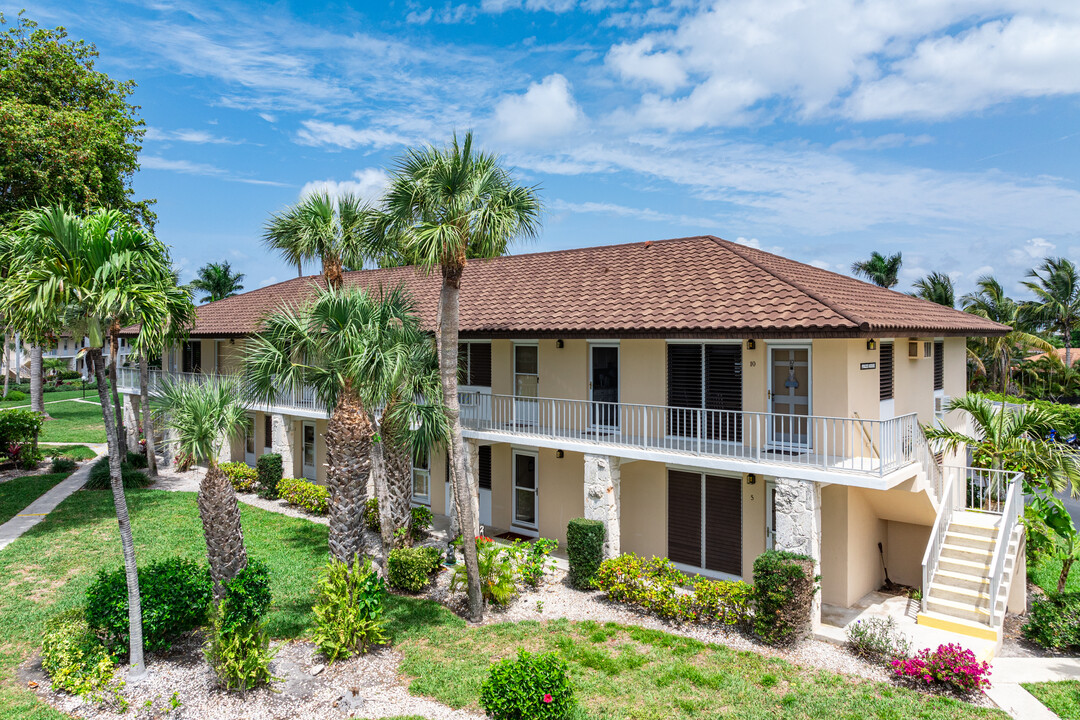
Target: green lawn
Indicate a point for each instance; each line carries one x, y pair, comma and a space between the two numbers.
16, 494
91, 394
74, 422
1063, 698
620, 672
1045, 575
75, 452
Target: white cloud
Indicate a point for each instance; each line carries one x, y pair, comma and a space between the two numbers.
320, 133
881, 142
545, 111
368, 184
1033, 250
756, 244
269, 281
640, 60
598, 208
187, 167
199, 137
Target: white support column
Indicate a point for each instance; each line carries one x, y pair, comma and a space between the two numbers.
131, 420
798, 525
603, 476
282, 439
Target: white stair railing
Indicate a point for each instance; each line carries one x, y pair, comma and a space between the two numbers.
1010, 517
937, 538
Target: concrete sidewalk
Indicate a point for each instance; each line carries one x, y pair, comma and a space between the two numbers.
36, 512
1008, 673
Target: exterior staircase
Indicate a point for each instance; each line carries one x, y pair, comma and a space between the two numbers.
959, 597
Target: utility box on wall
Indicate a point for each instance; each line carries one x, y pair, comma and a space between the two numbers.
920, 349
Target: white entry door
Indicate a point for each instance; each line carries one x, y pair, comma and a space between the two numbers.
249, 440
526, 384
604, 385
311, 471
524, 470
789, 396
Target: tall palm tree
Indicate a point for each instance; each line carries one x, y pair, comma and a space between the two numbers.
1056, 284
1004, 440
202, 416
217, 281
85, 270
990, 301
937, 288
445, 205
879, 269
320, 227
328, 344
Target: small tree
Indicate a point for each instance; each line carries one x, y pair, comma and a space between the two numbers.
1051, 530
880, 269
203, 416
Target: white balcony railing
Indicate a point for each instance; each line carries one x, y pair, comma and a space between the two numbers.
845, 445
875, 447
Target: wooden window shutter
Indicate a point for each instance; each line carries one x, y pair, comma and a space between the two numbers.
939, 365
480, 364
723, 391
684, 388
684, 518
885, 366
723, 524
485, 466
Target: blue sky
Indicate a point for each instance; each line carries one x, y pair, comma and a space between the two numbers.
948, 130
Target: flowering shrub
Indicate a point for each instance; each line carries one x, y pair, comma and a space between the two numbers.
657, 586
242, 477
532, 687
531, 558
307, 495
950, 665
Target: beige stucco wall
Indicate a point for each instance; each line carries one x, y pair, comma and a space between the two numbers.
904, 550
502, 367
230, 356
564, 371
850, 563
913, 383
955, 366
643, 501
753, 524
834, 510
562, 492
643, 372
437, 466
755, 378
841, 387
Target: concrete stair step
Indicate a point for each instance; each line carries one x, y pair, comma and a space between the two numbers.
970, 598
955, 537
961, 610
972, 527
969, 581
980, 568
971, 628
964, 552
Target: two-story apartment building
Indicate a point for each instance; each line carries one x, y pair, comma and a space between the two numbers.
16, 357
704, 399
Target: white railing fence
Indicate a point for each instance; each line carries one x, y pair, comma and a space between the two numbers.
287, 398
1010, 511
937, 538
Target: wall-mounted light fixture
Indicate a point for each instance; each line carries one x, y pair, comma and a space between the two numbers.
750, 344
559, 344
559, 453
751, 478
871, 344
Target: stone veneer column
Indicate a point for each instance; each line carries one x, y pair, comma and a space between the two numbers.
798, 524
603, 475
131, 420
282, 438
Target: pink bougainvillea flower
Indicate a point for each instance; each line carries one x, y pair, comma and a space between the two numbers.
548, 698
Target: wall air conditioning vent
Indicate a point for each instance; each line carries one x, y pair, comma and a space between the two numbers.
920, 350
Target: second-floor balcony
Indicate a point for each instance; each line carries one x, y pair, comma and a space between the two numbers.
868, 453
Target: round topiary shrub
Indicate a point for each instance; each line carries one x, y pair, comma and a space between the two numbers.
783, 596
410, 568
585, 550
15, 396
532, 687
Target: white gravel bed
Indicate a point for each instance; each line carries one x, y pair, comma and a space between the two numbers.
172, 480
367, 686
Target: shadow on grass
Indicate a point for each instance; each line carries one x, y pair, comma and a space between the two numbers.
409, 617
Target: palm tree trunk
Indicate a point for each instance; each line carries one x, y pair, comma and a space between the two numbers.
333, 271
220, 514
348, 450
459, 479
7, 363
127, 541
1068, 348
398, 482
378, 474
114, 350
37, 384
147, 418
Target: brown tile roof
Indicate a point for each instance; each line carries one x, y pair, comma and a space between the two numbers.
697, 286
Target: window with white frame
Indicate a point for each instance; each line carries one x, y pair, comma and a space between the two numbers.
421, 478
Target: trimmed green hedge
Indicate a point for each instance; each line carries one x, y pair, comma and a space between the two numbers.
585, 550
99, 477
410, 568
307, 495
783, 594
268, 473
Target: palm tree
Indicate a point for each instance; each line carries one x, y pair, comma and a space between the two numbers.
1002, 440
320, 227
937, 288
1056, 285
202, 416
442, 207
217, 281
879, 269
327, 344
85, 270
991, 302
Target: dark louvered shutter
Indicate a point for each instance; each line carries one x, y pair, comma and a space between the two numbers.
723, 524
885, 365
939, 365
684, 517
723, 391
684, 385
485, 467
480, 364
